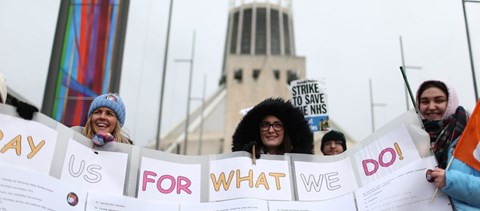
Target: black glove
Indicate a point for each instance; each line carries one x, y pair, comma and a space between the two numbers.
249, 146
24, 110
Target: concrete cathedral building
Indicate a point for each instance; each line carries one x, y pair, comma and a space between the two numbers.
259, 62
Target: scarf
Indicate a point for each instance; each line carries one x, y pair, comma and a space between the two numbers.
444, 132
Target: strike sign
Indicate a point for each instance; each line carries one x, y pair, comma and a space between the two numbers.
309, 96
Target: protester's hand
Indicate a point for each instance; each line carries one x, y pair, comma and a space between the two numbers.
438, 176
101, 139
249, 147
24, 110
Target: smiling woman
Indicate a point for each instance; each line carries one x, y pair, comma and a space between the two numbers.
274, 126
445, 122
444, 119
106, 117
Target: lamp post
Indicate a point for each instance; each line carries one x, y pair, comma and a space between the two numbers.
470, 47
164, 72
404, 69
372, 104
200, 140
187, 118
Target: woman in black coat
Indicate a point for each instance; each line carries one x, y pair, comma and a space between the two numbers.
273, 126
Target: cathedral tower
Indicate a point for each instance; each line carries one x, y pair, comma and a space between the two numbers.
259, 59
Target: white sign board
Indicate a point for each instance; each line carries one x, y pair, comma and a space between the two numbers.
237, 178
100, 201
345, 202
167, 181
26, 143
322, 181
27, 190
94, 170
236, 204
310, 97
388, 153
406, 189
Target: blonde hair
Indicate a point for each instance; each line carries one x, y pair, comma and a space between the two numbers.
117, 132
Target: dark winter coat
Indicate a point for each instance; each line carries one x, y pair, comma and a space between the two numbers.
296, 127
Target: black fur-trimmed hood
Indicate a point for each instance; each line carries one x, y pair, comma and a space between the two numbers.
296, 127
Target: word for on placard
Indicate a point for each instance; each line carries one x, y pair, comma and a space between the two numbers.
166, 184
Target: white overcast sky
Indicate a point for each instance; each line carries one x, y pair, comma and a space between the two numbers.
346, 42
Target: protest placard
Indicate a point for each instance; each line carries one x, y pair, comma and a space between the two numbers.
23, 189
26, 143
406, 189
94, 170
247, 204
169, 181
310, 97
387, 154
372, 174
324, 180
345, 202
268, 179
101, 201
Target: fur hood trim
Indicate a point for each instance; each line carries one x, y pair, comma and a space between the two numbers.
296, 127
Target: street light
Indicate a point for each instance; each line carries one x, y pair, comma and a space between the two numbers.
187, 118
164, 72
372, 104
470, 47
200, 140
404, 69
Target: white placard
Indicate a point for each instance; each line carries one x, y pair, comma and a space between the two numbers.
238, 178
388, 153
100, 201
406, 189
22, 189
166, 181
94, 170
321, 181
230, 205
310, 97
26, 144
345, 202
